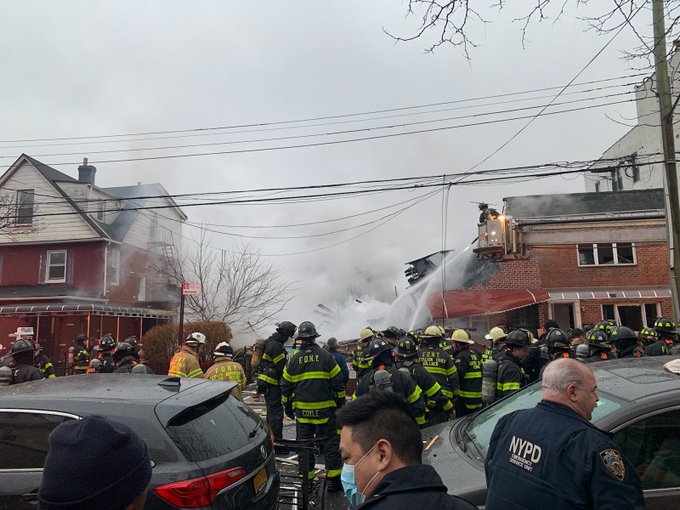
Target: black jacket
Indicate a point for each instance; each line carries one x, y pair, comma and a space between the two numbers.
273, 360
126, 364
107, 363
416, 486
25, 373
550, 457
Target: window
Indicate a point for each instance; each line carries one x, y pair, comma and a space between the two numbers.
115, 266
597, 186
653, 446
606, 254
632, 315
652, 311
636, 174
24, 438
25, 201
153, 226
99, 209
56, 266
609, 312
141, 295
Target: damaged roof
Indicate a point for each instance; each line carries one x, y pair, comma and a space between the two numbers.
582, 204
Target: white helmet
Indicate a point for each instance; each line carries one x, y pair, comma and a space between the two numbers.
195, 338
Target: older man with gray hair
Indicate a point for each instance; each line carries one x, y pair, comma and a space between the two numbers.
551, 456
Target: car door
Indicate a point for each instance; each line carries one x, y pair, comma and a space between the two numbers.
23, 448
652, 443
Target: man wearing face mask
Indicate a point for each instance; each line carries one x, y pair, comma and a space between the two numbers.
381, 448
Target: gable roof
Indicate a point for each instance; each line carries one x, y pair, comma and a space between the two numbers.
145, 190
583, 204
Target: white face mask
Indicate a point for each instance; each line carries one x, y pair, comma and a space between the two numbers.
349, 484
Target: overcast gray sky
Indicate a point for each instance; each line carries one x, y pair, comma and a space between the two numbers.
79, 68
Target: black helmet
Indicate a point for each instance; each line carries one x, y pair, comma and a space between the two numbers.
132, 340
557, 339
407, 348
605, 326
376, 348
122, 349
286, 328
223, 349
622, 334
107, 343
307, 330
393, 332
81, 338
596, 337
664, 325
22, 345
483, 206
517, 338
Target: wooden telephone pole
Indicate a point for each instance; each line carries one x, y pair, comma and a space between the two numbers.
668, 140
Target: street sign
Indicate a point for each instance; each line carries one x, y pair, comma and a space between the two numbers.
191, 289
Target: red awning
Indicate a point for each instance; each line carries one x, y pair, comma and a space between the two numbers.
466, 303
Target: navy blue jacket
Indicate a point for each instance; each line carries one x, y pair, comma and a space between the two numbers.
550, 457
342, 363
412, 487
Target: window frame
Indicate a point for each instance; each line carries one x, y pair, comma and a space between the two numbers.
34, 411
99, 210
18, 223
115, 266
642, 305
153, 226
48, 264
615, 252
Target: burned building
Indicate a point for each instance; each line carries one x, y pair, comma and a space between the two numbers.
577, 258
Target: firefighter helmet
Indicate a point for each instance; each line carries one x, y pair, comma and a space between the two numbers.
22, 345
605, 326
557, 339
483, 205
376, 348
223, 349
286, 328
648, 334
81, 338
195, 338
460, 335
393, 332
596, 337
517, 338
132, 340
664, 325
122, 349
433, 331
307, 330
621, 334
106, 343
407, 348
366, 334
497, 334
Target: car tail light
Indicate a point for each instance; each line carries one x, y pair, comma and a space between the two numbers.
199, 492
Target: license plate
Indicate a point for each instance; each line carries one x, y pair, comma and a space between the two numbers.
260, 480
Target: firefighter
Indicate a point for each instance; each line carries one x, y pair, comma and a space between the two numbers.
624, 341
511, 376
24, 370
359, 364
43, 363
665, 330
185, 362
224, 368
81, 356
597, 347
496, 337
312, 389
107, 345
125, 358
469, 366
486, 213
5, 375
557, 344
437, 405
134, 343
647, 336
384, 375
270, 371
438, 362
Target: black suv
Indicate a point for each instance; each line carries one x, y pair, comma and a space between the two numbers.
208, 449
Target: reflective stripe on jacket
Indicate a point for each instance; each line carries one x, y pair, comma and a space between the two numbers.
185, 363
224, 369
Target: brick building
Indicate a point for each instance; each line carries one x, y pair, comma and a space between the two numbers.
576, 258
76, 258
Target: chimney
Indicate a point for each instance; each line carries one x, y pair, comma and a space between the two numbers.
86, 173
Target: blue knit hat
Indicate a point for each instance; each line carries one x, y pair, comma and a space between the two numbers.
93, 464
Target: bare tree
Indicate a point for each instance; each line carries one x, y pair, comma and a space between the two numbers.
239, 287
451, 21
15, 220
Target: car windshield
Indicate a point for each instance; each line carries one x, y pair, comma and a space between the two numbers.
481, 427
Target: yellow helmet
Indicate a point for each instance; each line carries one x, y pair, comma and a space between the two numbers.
434, 331
497, 334
460, 335
366, 334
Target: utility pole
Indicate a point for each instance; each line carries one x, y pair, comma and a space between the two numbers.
671, 174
